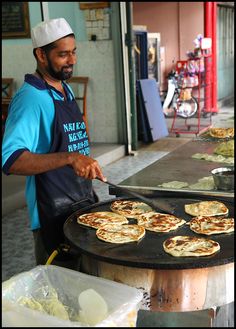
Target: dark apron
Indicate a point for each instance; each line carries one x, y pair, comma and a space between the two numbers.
61, 192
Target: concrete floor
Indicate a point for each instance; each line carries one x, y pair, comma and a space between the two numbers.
17, 241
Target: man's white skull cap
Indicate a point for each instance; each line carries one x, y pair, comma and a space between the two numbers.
49, 31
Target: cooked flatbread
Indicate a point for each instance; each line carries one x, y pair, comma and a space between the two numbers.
114, 233
96, 219
129, 208
185, 246
157, 222
206, 208
221, 132
211, 225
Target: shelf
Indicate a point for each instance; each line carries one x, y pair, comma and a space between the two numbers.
203, 88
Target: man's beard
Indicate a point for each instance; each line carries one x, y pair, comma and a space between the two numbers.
61, 75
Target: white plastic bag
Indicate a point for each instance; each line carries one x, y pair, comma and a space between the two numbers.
57, 290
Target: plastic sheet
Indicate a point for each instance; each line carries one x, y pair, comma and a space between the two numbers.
48, 296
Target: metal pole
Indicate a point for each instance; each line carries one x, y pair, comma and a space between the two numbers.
208, 63
44, 11
214, 57
129, 42
41, 8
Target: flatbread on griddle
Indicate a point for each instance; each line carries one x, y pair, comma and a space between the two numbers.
129, 208
96, 219
206, 208
114, 233
190, 246
211, 225
158, 222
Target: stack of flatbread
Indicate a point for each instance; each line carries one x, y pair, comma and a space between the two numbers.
221, 133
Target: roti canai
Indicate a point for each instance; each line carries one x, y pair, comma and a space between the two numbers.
115, 233
96, 219
185, 246
158, 222
129, 208
221, 132
211, 225
206, 208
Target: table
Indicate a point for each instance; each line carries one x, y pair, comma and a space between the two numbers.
177, 166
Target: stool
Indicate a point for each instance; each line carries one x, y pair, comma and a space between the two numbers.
7, 87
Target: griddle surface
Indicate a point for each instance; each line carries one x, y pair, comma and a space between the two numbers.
147, 253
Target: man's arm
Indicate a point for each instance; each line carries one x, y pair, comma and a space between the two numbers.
31, 164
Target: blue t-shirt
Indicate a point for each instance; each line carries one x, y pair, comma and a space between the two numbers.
29, 126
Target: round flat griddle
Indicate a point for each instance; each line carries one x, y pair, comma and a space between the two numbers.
148, 252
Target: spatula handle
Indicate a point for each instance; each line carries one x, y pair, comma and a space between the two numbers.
155, 206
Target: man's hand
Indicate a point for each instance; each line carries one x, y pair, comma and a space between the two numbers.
31, 164
86, 167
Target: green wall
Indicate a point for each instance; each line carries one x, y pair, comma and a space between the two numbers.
69, 10
225, 52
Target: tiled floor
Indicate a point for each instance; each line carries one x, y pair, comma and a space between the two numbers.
17, 241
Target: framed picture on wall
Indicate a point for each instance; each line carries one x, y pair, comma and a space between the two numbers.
93, 5
154, 56
15, 20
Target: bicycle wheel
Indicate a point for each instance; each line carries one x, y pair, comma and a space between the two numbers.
169, 111
187, 108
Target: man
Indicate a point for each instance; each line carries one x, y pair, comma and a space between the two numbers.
45, 139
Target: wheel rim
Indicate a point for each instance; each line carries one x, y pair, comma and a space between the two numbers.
186, 109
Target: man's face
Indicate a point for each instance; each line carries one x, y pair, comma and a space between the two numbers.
60, 60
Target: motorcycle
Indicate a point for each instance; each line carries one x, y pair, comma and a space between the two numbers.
178, 98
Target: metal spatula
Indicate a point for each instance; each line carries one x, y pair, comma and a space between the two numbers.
154, 204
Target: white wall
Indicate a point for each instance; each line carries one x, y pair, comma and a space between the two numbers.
95, 60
